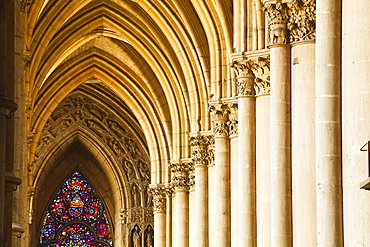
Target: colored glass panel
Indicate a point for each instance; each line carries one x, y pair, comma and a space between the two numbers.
76, 217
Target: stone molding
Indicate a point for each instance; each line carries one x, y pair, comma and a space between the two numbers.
12, 182
159, 198
7, 107
202, 153
181, 180
302, 20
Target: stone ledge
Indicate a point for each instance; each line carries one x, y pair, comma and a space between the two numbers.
365, 184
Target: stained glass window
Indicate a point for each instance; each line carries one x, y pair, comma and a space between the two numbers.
76, 217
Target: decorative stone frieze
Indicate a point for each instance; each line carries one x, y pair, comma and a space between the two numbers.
180, 180
233, 120
159, 198
220, 118
278, 17
302, 20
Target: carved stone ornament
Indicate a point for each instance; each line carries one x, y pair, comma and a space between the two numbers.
278, 17
233, 123
180, 179
79, 111
24, 5
302, 21
261, 69
159, 199
220, 116
201, 149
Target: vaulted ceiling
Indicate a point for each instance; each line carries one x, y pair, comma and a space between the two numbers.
161, 59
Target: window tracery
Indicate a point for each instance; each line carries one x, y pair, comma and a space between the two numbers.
76, 217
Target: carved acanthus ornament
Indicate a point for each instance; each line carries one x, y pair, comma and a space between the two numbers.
233, 119
202, 149
220, 118
278, 17
244, 77
159, 198
302, 22
180, 179
261, 70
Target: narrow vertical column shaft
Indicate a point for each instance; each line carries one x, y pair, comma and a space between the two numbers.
222, 175
328, 123
201, 156
247, 167
246, 153
180, 183
159, 205
281, 180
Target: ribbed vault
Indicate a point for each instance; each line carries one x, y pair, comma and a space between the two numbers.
149, 67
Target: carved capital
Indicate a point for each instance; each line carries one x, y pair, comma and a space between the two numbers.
261, 69
180, 180
220, 117
276, 13
159, 198
201, 149
278, 17
302, 21
233, 123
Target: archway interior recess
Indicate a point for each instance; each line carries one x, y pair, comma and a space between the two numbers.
158, 59
93, 131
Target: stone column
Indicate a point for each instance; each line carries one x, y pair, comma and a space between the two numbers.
192, 210
246, 153
328, 124
201, 155
158, 191
302, 37
7, 107
169, 219
222, 175
180, 183
281, 180
234, 173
